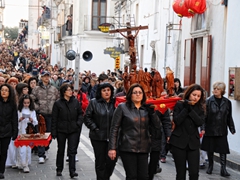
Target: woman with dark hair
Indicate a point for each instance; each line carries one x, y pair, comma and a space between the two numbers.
8, 122
98, 118
67, 119
177, 86
188, 115
22, 88
85, 84
130, 126
32, 83
218, 119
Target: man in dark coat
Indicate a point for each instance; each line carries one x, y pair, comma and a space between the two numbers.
156, 138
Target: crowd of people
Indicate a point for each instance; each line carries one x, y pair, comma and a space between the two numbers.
133, 130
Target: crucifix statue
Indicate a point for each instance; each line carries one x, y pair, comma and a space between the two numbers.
131, 41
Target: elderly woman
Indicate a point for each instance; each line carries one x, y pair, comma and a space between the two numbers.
98, 118
218, 119
131, 122
67, 119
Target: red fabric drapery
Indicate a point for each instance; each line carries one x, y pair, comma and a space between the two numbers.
180, 8
161, 104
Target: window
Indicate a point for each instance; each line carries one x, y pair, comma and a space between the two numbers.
99, 8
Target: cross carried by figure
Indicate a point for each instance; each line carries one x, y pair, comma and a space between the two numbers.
131, 41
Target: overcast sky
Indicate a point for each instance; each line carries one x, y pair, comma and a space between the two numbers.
14, 11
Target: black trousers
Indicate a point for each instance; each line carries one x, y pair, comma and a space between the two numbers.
180, 157
135, 165
104, 166
153, 162
4, 143
72, 140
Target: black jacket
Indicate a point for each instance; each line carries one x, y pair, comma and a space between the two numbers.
156, 133
187, 120
132, 125
67, 116
98, 118
8, 120
218, 117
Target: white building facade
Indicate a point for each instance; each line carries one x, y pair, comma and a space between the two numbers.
201, 49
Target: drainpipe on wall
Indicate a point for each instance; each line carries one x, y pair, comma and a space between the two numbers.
165, 53
178, 56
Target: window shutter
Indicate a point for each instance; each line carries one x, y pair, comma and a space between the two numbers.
189, 76
206, 63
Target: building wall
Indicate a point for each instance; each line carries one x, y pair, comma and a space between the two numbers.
33, 35
83, 39
232, 60
221, 23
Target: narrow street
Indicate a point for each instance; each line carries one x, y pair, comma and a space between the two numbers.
85, 167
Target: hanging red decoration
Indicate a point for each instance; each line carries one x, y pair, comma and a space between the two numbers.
180, 9
196, 6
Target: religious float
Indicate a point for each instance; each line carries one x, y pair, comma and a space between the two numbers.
152, 83
31, 138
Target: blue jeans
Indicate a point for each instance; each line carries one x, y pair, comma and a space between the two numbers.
48, 121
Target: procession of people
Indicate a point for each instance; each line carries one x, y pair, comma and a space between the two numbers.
134, 130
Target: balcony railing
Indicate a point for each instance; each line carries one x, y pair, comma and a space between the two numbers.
46, 15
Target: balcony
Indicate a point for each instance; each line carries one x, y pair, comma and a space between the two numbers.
46, 15
2, 4
61, 33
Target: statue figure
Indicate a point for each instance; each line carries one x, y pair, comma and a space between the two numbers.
157, 84
125, 78
170, 81
30, 128
141, 79
131, 42
148, 80
41, 124
132, 77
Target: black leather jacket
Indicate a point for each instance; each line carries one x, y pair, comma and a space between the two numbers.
98, 118
132, 125
218, 117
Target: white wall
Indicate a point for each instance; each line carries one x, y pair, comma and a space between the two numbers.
232, 59
32, 24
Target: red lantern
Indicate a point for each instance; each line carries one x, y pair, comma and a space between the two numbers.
180, 9
196, 6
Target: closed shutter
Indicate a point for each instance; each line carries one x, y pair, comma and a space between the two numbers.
189, 69
206, 63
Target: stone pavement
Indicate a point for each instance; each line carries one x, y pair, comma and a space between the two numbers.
85, 167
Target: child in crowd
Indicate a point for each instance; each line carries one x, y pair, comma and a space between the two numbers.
26, 114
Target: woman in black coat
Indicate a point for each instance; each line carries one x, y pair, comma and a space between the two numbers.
218, 119
8, 122
188, 115
67, 119
130, 133
98, 118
